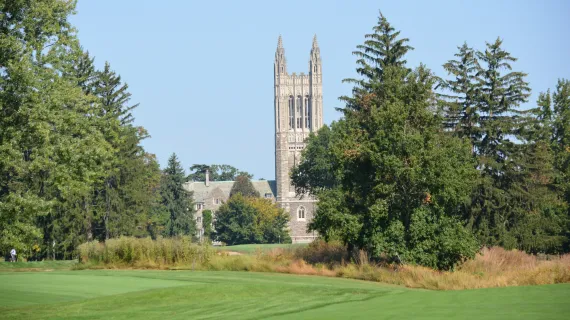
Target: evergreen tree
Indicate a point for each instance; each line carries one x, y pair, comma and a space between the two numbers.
402, 181
243, 186
492, 211
461, 114
382, 49
177, 200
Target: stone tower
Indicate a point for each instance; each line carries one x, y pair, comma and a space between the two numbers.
298, 112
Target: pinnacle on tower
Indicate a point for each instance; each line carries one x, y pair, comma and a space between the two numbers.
315, 43
279, 42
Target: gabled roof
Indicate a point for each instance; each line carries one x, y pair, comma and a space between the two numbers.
201, 192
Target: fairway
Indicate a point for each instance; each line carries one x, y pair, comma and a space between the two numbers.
247, 295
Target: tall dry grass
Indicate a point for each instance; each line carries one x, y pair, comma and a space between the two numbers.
494, 267
144, 253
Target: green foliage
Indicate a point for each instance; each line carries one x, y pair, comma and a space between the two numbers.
217, 172
176, 200
396, 183
243, 186
207, 220
244, 220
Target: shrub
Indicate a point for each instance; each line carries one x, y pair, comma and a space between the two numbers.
145, 252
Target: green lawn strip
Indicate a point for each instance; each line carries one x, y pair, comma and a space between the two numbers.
249, 295
527, 302
252, 248
37, 265
49, 287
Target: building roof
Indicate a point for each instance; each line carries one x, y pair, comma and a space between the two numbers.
201, 191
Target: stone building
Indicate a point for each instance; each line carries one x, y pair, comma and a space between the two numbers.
298, 108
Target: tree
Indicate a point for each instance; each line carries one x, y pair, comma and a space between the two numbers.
382, 49
50, 146
207, 223
403, 181
243, 186
493, 209
177, 201
320, 169
243, 220
218, 172
461, 114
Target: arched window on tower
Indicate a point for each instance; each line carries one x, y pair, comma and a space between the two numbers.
291, 112
307, 113
299, 112
301, 213
315, 69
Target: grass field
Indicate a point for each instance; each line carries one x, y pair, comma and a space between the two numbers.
252, 248
248, 295
37, 265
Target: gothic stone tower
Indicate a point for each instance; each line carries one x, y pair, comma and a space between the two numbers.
298, 112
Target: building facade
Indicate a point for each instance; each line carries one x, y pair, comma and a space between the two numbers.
298, 108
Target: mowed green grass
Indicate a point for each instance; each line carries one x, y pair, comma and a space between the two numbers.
253, 248
37, 265
106, 294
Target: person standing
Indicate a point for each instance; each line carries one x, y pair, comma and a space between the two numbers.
13, 255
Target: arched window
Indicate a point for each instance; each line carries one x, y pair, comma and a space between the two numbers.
299, 112
291, 113
301, 213
307, 113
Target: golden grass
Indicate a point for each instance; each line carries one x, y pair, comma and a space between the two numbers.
494, 267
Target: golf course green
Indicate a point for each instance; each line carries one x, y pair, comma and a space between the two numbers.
113, 294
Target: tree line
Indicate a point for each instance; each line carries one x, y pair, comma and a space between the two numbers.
72, 168
427, 169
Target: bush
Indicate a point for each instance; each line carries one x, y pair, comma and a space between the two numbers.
144, 252
319, 251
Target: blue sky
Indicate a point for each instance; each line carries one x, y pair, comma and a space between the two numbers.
202, 71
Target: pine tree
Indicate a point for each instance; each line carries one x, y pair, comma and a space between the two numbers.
382, 49
461, 106
243, 186
176, 200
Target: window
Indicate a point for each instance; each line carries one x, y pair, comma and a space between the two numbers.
301, 213
268, 195
217, 201
199, 206
307, 113
291, 113
199, 219
299, 112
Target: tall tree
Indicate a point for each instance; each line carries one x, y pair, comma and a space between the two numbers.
382, 48
402, 181
492, 212
177, 200
243, 186
461, 114
50, 146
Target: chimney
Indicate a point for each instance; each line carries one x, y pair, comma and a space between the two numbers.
207, 178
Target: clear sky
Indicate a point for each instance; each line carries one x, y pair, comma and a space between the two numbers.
202, 71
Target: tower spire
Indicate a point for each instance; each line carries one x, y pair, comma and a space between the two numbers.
280, 61
315, 43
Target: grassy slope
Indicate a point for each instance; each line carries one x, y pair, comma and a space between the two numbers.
252, 248
236, 295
